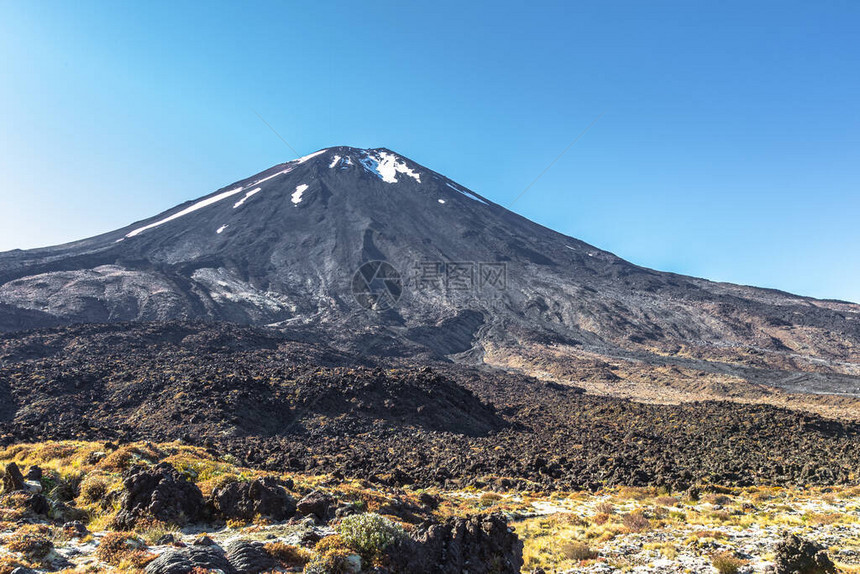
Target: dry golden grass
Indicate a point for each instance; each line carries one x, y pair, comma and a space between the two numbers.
288, 555
727, 563
9, 563
124, 550
32, 545
636, 521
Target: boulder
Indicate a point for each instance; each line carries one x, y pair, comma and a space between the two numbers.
244, 500
75, 529
794, 555
185, 560
316, 503
13, 480
34, 473
429, 501
38, 504
477, 544
249, 557
159, 492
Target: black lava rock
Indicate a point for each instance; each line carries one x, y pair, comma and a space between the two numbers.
794, 555
249, 557
477, 544
34, 473
316, 503
184, 560
13, 480
244, 500
160, 492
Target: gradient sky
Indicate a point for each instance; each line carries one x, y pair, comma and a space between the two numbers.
728, 148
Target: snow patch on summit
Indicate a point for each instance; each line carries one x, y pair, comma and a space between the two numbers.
387, 165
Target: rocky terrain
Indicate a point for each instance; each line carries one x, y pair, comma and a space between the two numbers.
81, 507
166, 509
277, 402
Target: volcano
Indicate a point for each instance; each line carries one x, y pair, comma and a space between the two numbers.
384, 255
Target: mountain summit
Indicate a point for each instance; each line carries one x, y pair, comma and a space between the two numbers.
377, 250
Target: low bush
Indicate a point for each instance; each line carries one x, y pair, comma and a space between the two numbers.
578, 551
124, 550
287, 554
636, 522
94, 488
32, 545
726, 563
331, 558
369, 534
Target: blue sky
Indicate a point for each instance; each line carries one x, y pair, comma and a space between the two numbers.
728, 148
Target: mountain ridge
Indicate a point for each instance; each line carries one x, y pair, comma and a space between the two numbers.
286, 246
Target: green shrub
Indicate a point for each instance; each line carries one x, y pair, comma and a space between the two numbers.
369, 534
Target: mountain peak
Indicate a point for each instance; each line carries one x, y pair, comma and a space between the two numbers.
382, 162
289, 246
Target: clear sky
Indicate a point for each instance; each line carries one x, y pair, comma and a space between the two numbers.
728, 148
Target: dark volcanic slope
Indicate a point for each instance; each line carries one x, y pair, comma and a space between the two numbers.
283, 247
279, 403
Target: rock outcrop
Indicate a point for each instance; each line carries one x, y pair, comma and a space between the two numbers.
191, 559
260, 497
317, 504
478, 545
794, 555
249, 557
161, 493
